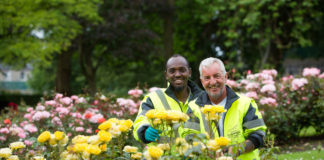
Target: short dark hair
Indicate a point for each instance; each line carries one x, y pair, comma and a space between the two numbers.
174, 56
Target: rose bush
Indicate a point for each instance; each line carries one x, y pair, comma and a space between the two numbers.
288, 104
54, 127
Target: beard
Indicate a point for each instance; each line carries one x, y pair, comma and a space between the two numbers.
177, 88
215, 96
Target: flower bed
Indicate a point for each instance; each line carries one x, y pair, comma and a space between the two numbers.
80, 127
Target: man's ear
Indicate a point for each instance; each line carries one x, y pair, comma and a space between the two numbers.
190, 72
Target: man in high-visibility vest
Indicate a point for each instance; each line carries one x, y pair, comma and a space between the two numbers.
176, 96
242, 122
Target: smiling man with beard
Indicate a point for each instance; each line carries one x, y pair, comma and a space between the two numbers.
242, 121
176, 96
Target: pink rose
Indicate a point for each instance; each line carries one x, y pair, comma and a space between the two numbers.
312, 72
135, 92
79, 129
28, 143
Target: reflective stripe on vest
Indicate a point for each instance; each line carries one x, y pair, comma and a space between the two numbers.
253, 124
163, 99
166, 106
192, 125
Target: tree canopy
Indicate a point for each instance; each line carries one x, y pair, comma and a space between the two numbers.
32, 30
111, 44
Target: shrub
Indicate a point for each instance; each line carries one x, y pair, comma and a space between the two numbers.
289, 103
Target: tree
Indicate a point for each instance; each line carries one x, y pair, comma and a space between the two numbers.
265, 27
32, 31
122, 36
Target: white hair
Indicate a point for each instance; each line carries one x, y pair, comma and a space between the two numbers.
209, 61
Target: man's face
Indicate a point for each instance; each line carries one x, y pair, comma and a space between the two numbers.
177, 73
213, 80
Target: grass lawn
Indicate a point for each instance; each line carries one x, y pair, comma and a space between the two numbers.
305, 155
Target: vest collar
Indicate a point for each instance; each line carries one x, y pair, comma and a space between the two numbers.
195, 91
203, 99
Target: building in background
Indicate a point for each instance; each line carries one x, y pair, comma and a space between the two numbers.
295, 66
15, 81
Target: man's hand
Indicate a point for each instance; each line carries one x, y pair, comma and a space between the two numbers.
151, 134
248, 147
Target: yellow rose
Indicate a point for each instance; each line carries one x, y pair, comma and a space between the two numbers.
5, 152
114, 131
128, 123
80, 139
64, 141
103, 147
85, 155
59, 135
17, 145
184, 117
206, 109
104, 136
64, 154
203, 147
13, 157
94, 139
130, 149
160, 114
113, 120
72, 156
180, 141
43, 137
79, 147
151, 113
155, 152
93, 149
222, 141
105, 125
217, 109
123, 128
157, 121
137, 155
69, 148
212, 145
38, 158
224, 158
52, 141
212, 116
173, 116
164, 147
183, 148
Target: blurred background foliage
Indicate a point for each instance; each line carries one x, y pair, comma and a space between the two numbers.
85, 46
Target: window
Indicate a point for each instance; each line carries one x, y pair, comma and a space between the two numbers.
22, 75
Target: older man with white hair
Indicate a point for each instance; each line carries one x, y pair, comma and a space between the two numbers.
242, 121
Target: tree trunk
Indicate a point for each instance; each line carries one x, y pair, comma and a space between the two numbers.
168, 29
265, 56
88, 69
63, 73
92, 84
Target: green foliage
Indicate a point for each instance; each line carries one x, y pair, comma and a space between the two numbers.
269, 151
43, 79
297, 110
252, 26
31, 31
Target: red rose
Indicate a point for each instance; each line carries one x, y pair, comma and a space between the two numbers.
7, 121
13, 105
88, 115
100, 120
